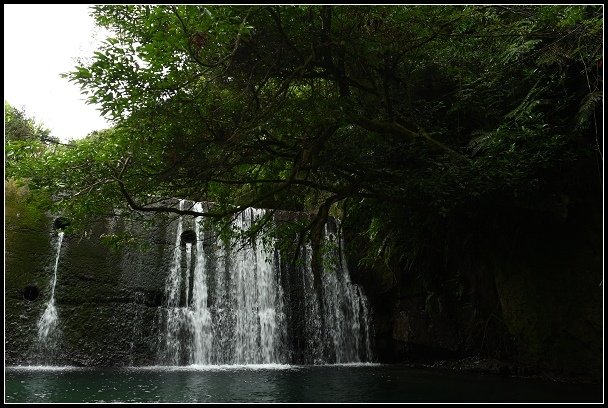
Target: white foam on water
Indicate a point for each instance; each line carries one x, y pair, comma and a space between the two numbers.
218, 367
45, 368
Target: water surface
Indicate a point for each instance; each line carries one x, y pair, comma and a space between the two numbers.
280, 383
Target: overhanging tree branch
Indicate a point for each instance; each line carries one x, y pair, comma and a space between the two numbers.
398, 129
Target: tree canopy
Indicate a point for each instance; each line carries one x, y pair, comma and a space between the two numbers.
18, 126
392, 117
25, 139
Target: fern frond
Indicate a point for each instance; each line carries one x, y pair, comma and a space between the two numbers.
587, 107
527, 104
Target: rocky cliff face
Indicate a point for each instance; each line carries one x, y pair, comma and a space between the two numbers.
531, 299
106, 300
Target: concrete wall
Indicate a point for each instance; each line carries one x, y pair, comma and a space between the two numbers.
106, 300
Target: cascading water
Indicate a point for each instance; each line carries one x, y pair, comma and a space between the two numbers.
258, 302
345, 307
200, 318
230, 307
313, 330
47, 324
173, 291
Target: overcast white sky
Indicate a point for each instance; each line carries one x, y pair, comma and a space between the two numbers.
40, 42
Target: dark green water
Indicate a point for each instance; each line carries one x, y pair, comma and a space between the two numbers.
367, 383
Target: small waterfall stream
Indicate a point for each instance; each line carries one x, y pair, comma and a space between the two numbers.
175, 313
47, 324
200, 317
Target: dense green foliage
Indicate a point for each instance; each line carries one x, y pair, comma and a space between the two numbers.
26, 141
24, 137
19, 127
394, 118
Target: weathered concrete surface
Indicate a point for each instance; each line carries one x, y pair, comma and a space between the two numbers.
106, 300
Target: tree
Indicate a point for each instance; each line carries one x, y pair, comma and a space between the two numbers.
398, 115
19, 127
24, 139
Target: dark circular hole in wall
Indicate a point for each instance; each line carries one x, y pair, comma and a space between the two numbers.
188, 237
61, 223
31, 293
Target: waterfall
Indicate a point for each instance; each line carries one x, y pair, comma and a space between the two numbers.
200, 318
225, 303
346, 308
175, 314
258, 301
223, 315
313, 329
47, 325
343, 334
